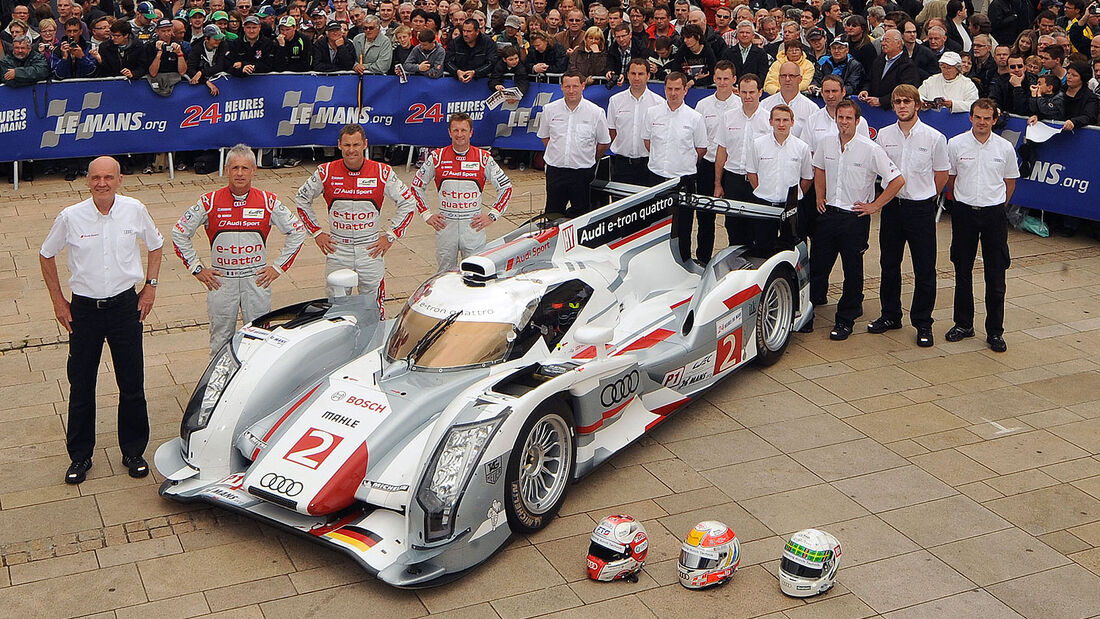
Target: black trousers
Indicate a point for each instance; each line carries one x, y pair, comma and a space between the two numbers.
741, 231
704, 236
989, 227
569, 186
842, 233
912, 222
630, 170
681, 217
118, 322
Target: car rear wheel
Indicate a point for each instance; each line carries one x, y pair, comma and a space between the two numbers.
774, 318
540, 468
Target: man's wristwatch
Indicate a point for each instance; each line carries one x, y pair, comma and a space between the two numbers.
151, 282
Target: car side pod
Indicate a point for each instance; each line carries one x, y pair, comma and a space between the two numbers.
343, 280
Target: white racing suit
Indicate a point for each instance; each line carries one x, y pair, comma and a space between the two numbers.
238, 229
354, 201
460, 179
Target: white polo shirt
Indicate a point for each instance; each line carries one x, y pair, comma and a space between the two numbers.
918, 157
803, 108
981, 169
778, 166
573, 134
822, 125
625, 114
736, 129
850, 173
713, 110
673, 137
103, 249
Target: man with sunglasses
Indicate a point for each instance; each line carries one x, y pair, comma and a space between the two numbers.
1012, 90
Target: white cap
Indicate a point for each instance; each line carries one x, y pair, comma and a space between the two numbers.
951, 58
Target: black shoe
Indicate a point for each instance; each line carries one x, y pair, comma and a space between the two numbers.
996, 343
840, 332
808, 327
78, 470
957, 333
137, 465
924, 337
70, 175
821, 301
883, 324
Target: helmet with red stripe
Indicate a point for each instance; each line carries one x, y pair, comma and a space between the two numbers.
618, 549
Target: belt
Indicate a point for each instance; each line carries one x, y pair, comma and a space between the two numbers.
102, 304
915, 202
977, 208
836, 209
633, 159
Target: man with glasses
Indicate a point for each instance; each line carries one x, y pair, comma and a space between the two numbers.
723, 18
985, 68
982, 177
921, 57
373, 50
920, 152
122, 55
572, 37
1013, 90
790, 76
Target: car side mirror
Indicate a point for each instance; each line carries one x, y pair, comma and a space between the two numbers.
343, 280
596, 336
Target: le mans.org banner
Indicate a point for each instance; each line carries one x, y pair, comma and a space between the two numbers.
87, 118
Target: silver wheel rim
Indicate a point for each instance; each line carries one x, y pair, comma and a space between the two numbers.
544, 464
776, 312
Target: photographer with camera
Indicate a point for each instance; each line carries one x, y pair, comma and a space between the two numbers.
622, 49
71, 57
168, 62
1084, 29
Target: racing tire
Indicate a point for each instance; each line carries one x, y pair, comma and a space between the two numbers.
774, 318
540, 468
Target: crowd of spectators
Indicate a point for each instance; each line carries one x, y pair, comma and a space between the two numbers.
1035, 60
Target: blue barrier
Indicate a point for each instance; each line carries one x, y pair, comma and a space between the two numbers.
85, 118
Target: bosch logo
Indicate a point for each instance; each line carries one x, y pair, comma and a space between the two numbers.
339, 395
620, 390
367, 404
280, 484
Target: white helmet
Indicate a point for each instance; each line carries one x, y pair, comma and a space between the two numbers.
618, 549
809, 564
709, 556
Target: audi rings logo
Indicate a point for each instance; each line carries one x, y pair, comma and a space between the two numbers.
620, 390
280, 484
339, 395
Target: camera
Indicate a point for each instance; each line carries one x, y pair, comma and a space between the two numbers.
612, 81
1094, 9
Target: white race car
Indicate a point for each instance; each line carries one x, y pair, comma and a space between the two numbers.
418, 445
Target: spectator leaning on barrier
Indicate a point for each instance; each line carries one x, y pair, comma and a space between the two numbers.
373, 49
841, 64
471, 57
403, 46
293, 53
620, 52
333, 52
168, 62
253, 53
71, 57
209, 58
746, 56
426, 58
24, 66
949, 89
509, 63
546, 55
693, 58
591, 60
123, 55
890, 69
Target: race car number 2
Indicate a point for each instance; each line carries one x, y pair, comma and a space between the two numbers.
729, 351
311, 450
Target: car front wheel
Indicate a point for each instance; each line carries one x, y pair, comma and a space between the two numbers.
540, 468
774, 318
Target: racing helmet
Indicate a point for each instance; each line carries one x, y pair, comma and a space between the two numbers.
709, 556
618, 549
809, 563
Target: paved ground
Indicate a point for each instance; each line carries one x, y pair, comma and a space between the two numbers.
961, 482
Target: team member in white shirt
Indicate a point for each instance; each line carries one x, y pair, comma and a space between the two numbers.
982, 177
625, 114
822, 123
713, 109
739, 125
845, 169
574, 132
790, 77
676, 138
920, 152
774, 163
101, 235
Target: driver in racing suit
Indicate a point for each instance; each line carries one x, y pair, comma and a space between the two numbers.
354, 188
459, 172
238, 219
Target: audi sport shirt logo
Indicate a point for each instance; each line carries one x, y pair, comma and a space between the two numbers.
620, 390
281, 484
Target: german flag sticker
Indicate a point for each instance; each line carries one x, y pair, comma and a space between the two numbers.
357, 537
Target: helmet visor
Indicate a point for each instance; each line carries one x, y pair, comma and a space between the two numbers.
695, 558
607, 554
797, 569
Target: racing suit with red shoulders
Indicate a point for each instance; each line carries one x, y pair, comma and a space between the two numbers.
460, 178
354, 199
237, 227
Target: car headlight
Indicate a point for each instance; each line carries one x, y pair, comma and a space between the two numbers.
209, 391
448, 473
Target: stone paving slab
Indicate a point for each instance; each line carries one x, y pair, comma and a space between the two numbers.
961, 482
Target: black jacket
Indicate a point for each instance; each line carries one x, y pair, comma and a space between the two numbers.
926, 62
463, 57
295, 56
115, 59
850, 71
325, 63
1012, 99
757, 61
903, 71
197, 62
1008, 18
261, 54
554, 57
984, 73
1082, 108
617, 61
692, 64
500, 69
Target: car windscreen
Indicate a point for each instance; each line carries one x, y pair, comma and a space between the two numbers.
435, 344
